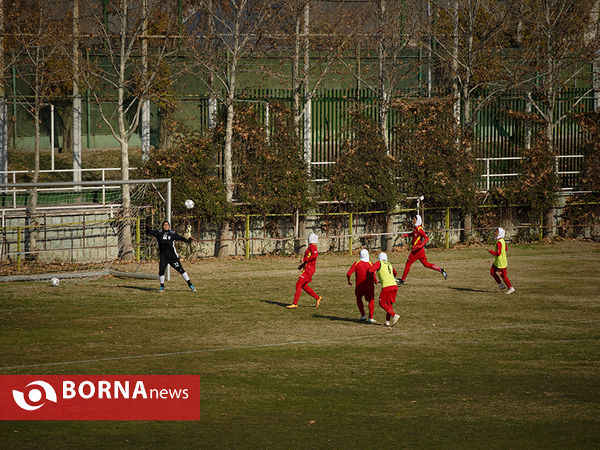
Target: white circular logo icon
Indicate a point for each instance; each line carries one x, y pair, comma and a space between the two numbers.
35, 396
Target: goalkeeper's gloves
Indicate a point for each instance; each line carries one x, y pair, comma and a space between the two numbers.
301, 266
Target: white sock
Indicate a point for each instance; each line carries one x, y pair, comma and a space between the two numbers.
162, 279
185, 276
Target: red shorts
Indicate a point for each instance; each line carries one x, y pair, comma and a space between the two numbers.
501, 272
415, 256
388, 294
368, 293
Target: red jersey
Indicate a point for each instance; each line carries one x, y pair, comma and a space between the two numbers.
419, 238
364, 278
310, 258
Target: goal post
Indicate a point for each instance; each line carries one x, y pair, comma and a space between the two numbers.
83, 223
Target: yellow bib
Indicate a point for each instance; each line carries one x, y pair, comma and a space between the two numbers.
501, 262
385, 274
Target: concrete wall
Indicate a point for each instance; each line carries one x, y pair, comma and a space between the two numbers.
62, 237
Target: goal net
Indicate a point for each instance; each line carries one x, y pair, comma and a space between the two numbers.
80, 229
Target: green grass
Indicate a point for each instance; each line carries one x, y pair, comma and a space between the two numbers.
464, 367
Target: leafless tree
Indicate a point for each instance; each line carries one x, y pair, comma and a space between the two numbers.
38, 40
227, 32
554, 42
121, 39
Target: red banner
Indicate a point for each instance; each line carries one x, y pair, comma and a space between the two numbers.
99, 397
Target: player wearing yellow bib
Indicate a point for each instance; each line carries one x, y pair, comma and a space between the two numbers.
386, 275
500, 264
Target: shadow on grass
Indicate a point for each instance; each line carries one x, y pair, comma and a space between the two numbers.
139, 288
272, 302
337, 318
467, 289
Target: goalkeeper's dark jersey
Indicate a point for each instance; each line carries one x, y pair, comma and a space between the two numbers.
166, 242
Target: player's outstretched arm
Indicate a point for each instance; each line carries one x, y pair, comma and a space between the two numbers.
178, 237
375, 267
151, 232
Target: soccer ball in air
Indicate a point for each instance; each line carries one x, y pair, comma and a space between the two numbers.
189, 204
54, 281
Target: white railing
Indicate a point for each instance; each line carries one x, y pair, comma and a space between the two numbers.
102, 171
488, 175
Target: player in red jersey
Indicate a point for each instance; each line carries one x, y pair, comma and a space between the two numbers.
365, 285
308, 266
417, 253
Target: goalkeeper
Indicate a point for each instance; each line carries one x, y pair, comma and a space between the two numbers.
168, 255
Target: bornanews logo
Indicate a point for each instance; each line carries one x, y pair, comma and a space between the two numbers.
100, 397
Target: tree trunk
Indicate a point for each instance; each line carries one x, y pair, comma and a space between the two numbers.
383, 100
3, 106
65, 112
301, 238
549, 219
296, 78
596, 62
468, 226
126, 247
164, 132
389, 228
145, 128
307, 94
76, 130
430, 48
455, 84
227, 159
33, 199
126, 240
228, 156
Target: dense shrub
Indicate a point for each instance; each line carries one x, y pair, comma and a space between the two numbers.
364, 174
432, 162
271, 176
190, 163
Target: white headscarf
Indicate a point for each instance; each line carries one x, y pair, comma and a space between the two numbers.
419, 220
501, 233
313, 238
364, 255
382, 256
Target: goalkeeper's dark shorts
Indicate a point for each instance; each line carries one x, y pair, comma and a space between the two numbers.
174, 262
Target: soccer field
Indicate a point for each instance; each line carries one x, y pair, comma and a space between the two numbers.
464, 366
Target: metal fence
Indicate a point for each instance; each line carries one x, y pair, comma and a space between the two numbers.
498, 136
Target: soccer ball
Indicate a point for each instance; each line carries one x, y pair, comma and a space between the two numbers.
189, 204
54, 281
